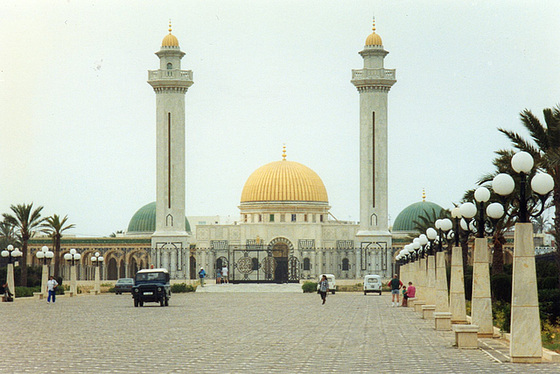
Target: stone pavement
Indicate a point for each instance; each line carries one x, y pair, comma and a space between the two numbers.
236, 333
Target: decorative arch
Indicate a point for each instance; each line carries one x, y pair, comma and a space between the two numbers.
112, 272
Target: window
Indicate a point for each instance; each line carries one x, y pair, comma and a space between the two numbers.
260, 217
169, 66
272, 218
321, 218
293, 217
306, 264
305, 217
245, 217
345, 264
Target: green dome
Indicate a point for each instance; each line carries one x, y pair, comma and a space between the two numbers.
144, 220
405, 219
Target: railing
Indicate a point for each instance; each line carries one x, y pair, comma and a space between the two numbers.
171, 74
373, 74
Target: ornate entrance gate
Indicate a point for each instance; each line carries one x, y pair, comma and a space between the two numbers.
265, 264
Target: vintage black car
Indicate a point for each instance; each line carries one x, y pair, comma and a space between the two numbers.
124, 285
151, 285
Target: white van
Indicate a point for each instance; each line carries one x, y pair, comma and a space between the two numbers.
372, 283
331, 280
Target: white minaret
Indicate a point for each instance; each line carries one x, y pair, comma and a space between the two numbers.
373, 83
170, 241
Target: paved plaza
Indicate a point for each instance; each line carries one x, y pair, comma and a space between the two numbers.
236, 333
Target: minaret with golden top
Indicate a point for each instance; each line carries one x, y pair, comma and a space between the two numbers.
373, 82
170, 245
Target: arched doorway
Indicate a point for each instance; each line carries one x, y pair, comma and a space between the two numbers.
133, 267
122, 270
112, 273
281, 248
193, 268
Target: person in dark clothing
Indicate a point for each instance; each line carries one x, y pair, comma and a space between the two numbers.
395, 285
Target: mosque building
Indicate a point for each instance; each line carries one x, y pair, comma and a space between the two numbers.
285, 232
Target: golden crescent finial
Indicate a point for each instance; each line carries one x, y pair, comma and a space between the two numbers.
170, 26
423, 194
284, 152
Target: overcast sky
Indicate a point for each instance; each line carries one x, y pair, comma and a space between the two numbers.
77, 118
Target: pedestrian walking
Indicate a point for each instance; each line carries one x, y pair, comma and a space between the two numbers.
395, 285
52, 284
323, 288
225, 274
202, 275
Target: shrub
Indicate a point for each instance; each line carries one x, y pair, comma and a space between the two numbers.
26, 291
112, 290
309, 287
501, 287
501, 312
182, 288
549, 305
547, 283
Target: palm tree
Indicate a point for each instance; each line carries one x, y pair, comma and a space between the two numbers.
544, 146
7, 235
25, 222
54, 226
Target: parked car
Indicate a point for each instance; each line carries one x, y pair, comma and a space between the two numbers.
331, 280
124, 285
151, 285
372, 283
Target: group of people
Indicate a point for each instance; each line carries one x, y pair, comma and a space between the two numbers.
397, 287
222, 275
8, 296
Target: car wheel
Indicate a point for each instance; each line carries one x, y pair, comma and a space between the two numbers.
135, 303
365, 293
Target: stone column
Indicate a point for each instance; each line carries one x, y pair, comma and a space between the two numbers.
431, 275
442, 316
442, 298
97, 285
421, 290
526, 344
44, 280
481, 306
10, 279
73, 282
457, 293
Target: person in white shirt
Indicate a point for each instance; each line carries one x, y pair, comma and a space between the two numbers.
51, 287
225, 274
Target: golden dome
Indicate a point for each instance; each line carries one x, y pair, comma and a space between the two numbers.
170, 40
373, 38
284, 181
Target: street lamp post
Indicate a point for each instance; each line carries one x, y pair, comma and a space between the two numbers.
97, 260
12, 254
526, 344
481, 301
72, 258
45, 255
